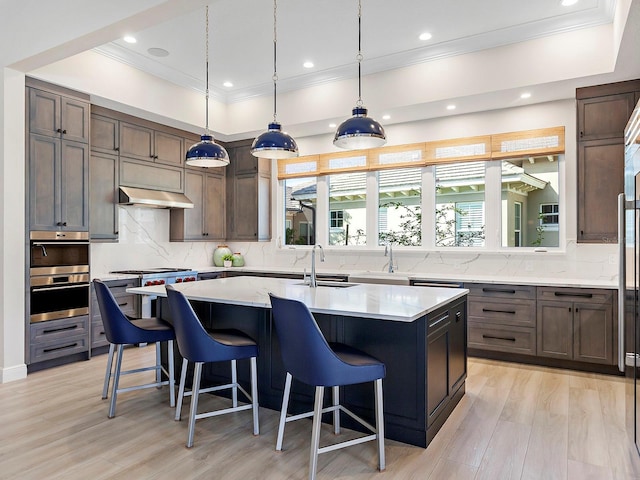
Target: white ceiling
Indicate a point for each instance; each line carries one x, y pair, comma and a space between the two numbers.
325, 32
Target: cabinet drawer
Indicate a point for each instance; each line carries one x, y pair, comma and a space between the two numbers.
502, 338
98, 338
525, 292
55, 330
503, 311
588, 295
58, 348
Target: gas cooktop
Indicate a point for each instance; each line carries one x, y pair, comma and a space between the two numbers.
149, 271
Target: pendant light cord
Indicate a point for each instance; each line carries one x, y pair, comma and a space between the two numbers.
359, 57
206, 54
275, 70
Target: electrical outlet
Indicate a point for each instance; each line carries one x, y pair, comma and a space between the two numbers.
613, 259
528, 266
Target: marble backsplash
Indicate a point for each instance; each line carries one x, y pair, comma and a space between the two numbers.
144, 243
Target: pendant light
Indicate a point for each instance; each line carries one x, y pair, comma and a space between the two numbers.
207, 153
359, 131
274, 143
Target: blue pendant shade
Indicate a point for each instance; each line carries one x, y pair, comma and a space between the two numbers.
359, 132
207, 153
274, 144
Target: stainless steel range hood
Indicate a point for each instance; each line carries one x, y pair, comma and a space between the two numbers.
153, 198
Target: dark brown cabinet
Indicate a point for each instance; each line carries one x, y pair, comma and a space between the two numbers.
145, 143
58, 160
248, 194
206, 221
502, 318
58, 184
59, 116
576, 324
103, 198
602, 114
128, 303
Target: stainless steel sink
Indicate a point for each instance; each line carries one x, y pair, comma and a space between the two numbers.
330, 284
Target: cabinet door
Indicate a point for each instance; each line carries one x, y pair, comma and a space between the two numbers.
600, 180
103, 200
74, 193
245, 208
214, 211
244, 162
592, 336
44, 182
44, 113
75, 120
194, 228
136, 141
264, 206
105, 134
458, 346
555, 329
168, 149
438, 346
604, 117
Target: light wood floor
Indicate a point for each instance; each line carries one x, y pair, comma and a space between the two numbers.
515, 422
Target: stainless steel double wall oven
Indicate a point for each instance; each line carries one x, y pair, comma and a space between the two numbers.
58, 275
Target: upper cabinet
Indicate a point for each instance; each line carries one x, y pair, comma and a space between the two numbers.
58, 116
248, 194
206, 220
58, 158
602, 112
137, 141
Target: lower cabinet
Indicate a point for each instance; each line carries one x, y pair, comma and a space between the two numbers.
562, 323
128, 302
446, 358
576, 324
58, 338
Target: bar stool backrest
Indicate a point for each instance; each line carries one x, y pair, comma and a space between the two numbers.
117, 327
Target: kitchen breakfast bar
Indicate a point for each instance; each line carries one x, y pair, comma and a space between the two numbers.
419, 333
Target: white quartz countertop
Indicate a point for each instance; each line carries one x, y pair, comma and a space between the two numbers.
384, 302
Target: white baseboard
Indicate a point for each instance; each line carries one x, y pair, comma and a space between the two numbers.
10, 374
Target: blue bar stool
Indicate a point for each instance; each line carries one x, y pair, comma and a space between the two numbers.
121, 330
201, 346
309, 358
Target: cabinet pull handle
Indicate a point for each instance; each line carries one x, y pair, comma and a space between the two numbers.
581, 134
64, 132
61, 329
458, 316
512, 312
123, 304
47, 350
577, 294
499, 290
439, 320
495, 337
117, 149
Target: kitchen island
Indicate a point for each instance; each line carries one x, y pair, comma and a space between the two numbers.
419, 333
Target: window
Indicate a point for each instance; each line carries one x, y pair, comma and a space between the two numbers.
549, 214
336, 218
530, 192
300, 210
348, 195
399, 198
517, 224
460, 205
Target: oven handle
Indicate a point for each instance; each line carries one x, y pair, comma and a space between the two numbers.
61, 287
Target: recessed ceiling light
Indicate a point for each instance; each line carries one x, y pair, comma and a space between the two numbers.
332, 125
227, 84
525, 95
308, 64
158, 52
451, 107
425, 36
386, 117
130, 39
568, 3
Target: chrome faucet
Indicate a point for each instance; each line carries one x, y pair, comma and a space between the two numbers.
312, 281
388, 252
